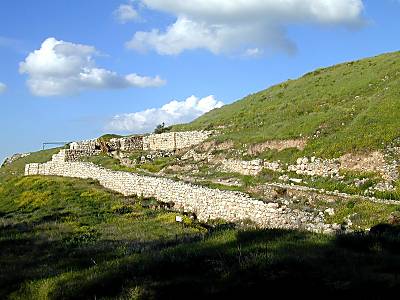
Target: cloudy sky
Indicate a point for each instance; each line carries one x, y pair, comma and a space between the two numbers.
73, 69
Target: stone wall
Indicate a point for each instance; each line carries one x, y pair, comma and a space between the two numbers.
252, 167
206, 203
76, 155
248, 167
78, 150
164, 141
126, 144
69, 155
170, 141
86, 145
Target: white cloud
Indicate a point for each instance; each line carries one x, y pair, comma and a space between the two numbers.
60, 68
222, 26
126, 13
253, 52
174, 112
3, 87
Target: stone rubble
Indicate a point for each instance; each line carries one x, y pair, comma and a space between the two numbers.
375, 162
299, 191
307, 166
192, 154
248, 167
252, 167
315, 167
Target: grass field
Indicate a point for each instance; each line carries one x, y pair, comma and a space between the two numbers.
54, 228
351, 107
71, 239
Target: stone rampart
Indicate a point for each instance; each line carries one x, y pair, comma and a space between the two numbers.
87, 145
206, 203
126, 144
244, 167
170, 141
248, 167
76, 155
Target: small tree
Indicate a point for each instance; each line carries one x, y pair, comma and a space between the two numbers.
161, 128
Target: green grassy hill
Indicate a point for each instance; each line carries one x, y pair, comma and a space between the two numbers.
17, 168
353, 106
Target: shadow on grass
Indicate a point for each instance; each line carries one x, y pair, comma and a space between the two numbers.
227, 263
26, 260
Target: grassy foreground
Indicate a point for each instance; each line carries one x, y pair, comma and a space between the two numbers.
71, 239
55, 228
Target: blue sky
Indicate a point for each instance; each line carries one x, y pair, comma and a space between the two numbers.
190, 55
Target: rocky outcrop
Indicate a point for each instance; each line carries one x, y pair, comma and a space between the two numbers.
10, 160
372, 162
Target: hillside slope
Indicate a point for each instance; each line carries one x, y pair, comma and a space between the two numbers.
17, 167
349, 107
64, 238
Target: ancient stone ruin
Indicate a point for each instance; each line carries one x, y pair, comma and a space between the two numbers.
206, 203
169, 141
